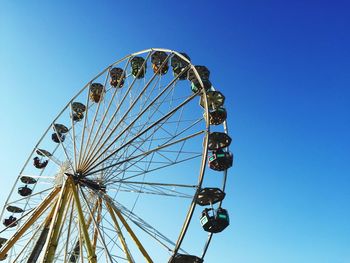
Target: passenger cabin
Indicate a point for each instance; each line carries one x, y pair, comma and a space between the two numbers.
78, 107
78, 110
117, 77
159, 62
214, 221
10, 222
203, 73
58, 137
39, 163
96, 92
217, 116
57, 127
77, 116
138, 66
43, 152
178, 64
59, 131
27, 180
25, 190
14, 209
75, 253
220, 160
218, 140
215, 99
185, 258
209, 196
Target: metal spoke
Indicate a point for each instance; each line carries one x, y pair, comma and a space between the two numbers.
146, 153
104, 116
114, 114
143, 132
127, 112
84, 127
64, 148
74, 143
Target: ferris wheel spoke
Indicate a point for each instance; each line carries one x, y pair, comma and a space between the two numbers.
152, 191
92, 125
118, 171
51, 157
118, 108
74, 137
28, 197
143, 132
127, 112
84, 126
145, 153
113, 116
124, 179
152, 139
63, 147
151, 136
127, 130
38, 176
176, 135
156, 184
138, 147
142, 142
88, 148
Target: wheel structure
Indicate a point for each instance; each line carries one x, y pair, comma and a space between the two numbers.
118, 174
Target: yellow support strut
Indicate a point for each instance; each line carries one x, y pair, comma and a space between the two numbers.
91, 254
98, 220
57, 224
131, 233
120, 235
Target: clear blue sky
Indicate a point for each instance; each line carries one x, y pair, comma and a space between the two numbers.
283, 66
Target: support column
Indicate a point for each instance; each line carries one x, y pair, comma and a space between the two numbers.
128, 228
82, 224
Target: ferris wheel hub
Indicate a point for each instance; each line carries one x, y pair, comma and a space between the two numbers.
93, 184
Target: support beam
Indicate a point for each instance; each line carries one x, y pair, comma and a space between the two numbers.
75, 253
120, 235
56, 224
82, 224
98, 220
128, 228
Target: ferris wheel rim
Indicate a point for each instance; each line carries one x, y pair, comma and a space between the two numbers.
205, 144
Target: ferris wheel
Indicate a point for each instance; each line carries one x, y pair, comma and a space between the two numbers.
133, 169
